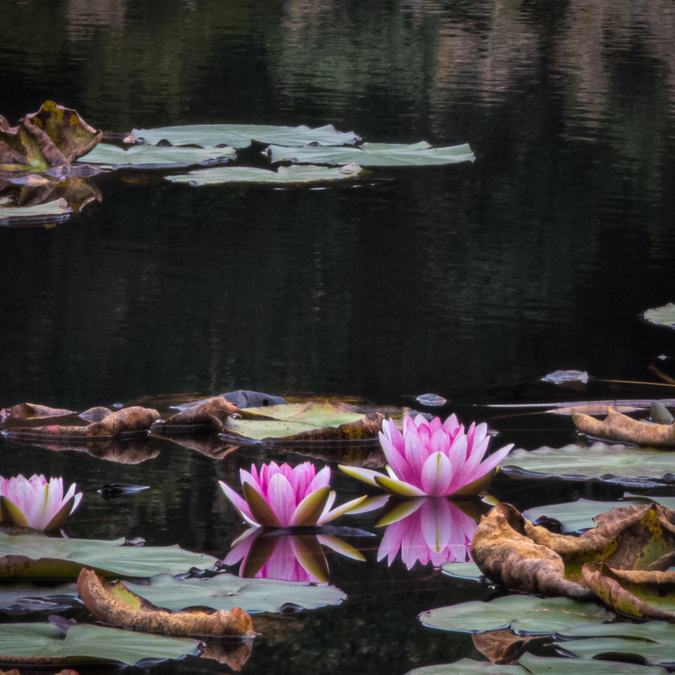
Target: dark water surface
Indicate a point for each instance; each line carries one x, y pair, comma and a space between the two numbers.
469, 280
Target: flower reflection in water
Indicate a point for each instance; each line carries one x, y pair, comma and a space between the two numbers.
287, 557
428, 530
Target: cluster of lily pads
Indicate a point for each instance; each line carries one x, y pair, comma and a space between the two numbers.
45, 159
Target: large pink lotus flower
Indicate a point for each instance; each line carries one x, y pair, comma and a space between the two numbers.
426, 530
284, 496
37, 502
435, 459
289, 557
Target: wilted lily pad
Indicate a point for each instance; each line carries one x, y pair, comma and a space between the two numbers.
523, 614
610, 463
226, 591
650, 642
297, 422
241, 135
578, 515
662, 316
374, 154
528, 664
156, 156
44, 644
38, 556
285, 175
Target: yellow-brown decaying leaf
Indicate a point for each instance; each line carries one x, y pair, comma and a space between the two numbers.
208, 414
34, 411
620, 427
502, 646
116, 605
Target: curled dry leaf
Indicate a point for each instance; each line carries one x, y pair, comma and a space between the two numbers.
207, 415
503, 646
32, 411
115, 604
633, 543
620, 427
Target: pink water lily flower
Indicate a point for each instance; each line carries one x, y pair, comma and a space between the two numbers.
426, 530
37, 502
285, 496
433, 458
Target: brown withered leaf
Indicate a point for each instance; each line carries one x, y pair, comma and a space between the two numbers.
511, 550
32, 411
207, 415
503, 646
53, 136
116, 605
134, 420
620, 427
636, 593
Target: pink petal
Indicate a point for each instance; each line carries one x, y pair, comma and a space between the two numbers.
436, 475
322, 479
238, 502
281, 498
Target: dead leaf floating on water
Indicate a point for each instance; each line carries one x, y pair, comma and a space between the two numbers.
32, 411
620, 427
208, 415
115, 604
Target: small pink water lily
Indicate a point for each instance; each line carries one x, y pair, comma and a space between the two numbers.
433, 458
426, 530
285, 496
37, 502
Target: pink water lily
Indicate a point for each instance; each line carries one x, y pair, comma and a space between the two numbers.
433, 458
285, 496
37, 502
426, 530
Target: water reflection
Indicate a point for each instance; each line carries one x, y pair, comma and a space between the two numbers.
429, 530
287, 557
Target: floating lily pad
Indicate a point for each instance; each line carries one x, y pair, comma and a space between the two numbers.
639, 467
156, 156
650, 642
285, 175
241, 135
297, 422
38, 556
44, 644
528, 664
578, 515
523, 614
374, 154
466, 571
661, 316
225, 591
55, 211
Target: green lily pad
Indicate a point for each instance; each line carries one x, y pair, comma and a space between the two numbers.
225, 591
39, 556
661, 316
296, 422
54, 211
285, 175
156, 156
241, 135
650, 642
523, 614
374, 154
467, 571
529, 664
620, 464
578, 515
44, 643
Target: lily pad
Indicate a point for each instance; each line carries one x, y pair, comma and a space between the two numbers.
38, 556
639, 467
650, 642
156, 156
241, 135
44, 644
466, 571
523, 614
225, 591
661, 316
578, 515
55, 211
285, 175
298, 422
374, 154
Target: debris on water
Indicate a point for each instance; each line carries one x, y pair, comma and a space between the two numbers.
431, 400
110, 490
566, 376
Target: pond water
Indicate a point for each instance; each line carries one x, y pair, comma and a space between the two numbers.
470, 280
